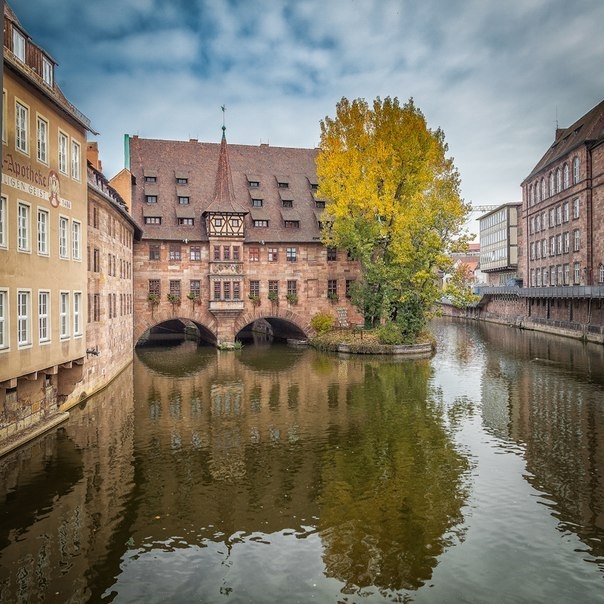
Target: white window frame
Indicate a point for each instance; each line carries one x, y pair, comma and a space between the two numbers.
18, 45
43, 222
577, 273
3, 222
576, 240
63, 237
21, 127
576, 169
576, 207
42, 134
64, 315
77, 314
4, 322
23, 318
44, 324
76, 240
23, 227
47, 72
62, 150
76, 158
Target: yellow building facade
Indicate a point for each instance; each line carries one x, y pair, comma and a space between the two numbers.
43, 239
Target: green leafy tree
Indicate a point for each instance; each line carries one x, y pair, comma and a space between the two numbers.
393, 201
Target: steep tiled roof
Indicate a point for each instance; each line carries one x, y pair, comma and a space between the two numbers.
588, 129
207, 188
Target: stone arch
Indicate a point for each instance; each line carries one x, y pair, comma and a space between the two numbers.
203, 319
278, 313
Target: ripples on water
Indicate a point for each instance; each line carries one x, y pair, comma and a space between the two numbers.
276, 474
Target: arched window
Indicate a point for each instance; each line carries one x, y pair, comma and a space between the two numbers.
575, 170
551, 184
543, 196
566, 176
558, 180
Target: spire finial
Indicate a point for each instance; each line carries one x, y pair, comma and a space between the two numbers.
223, 107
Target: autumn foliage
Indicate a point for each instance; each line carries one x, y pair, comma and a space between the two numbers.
393, 201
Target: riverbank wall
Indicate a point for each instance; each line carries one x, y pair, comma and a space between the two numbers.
573, 312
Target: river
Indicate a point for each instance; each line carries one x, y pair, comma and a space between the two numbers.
280, 474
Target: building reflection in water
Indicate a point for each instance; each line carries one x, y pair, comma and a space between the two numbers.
546, 395
65, 498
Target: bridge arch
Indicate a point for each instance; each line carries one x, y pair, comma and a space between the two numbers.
285, 323
176, 320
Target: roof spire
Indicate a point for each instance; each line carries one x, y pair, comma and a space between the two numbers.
223, 107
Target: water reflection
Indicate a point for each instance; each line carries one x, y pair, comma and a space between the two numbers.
282, 474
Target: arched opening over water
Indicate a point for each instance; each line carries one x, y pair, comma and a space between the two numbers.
177, 330
270, 329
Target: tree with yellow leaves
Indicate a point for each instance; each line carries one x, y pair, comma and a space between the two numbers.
393, 202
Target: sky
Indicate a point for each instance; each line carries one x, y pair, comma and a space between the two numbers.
496, 76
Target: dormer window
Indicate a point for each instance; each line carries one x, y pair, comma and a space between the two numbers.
150, 178
320, 204
257, 203
183, 201
288, 203
182, 181
47, 72
19, 45
253, 184
314, 186
283, 185
292, 224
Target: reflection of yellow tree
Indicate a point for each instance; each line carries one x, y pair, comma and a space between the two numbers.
395, 489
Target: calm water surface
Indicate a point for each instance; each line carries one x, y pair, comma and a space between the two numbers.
277, 474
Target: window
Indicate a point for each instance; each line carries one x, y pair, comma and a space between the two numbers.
195, 288
47, 72
566, 237
253, 184
283, 185
256, 203
3, 319
226, 290
287, 203
532, 225
22, 127
75, 160
154, 287
558, 244
292, 287
273, 288
96, 260
175, 288
42, 140
18, 45
216, 252
544, 248
601, 273
576, 206
23, 318
154, 251
4, 113
77, 314
236, 290
558, 180
63, 224
320, 204
63, 152
332, 288
3, 225
186, 221
576, 166
217, 290
576, 240
560, 278
76, 245
577, 273
544, 220
236, 253
174, 255
254, 288
42, 232
332, 254
261, 223
254, 254
566, 211
150, 178
182, 181
552, 190
291, 254
291, 224
23, 228
195, 252
152, 219
96, 303
151, 198
566, 176
543, 195
566, 274
559, 215
552, 217
183, 200
552, 275
349, 283
43, 316
226, 252
545, 276
273, 254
